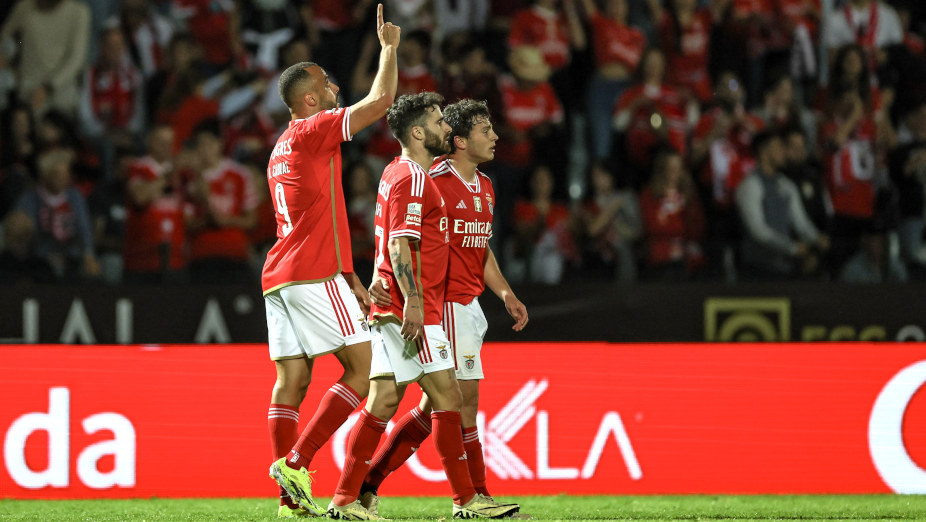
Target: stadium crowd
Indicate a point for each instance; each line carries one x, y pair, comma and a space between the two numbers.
655, 140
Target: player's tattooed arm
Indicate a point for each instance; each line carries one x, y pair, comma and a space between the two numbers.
413, 316
403, 272
401, 257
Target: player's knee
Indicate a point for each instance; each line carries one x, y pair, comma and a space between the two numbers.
468, 413
448, 399
382, 408
294, 383
289, 392
383, 401
470, 395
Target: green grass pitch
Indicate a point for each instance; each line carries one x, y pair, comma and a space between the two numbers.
562, 507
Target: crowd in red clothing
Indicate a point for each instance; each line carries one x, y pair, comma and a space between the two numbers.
627, 132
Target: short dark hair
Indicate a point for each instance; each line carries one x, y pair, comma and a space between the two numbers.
462, 117
210, 126
291, 78
761, 140
409, 110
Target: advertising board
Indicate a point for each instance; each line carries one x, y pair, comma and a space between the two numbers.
576, 418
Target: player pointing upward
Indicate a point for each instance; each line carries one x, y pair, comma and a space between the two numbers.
315, 303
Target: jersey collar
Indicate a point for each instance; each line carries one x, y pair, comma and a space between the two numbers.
473, 187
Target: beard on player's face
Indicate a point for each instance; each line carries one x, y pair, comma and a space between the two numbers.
436, 144
329, 102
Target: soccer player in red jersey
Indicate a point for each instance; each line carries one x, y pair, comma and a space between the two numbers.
470, 206
308, 277
409, 344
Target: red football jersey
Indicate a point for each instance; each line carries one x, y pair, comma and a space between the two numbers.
667, 102
231, 192
669, 223
544, 29
729, 157
524, 110
209, 21
157, 223
687, 52
470, 207
410, 205
304, 173
616, 42
333, 16
851, 169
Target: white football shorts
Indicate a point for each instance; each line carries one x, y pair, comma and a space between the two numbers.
313, 319
465, 326
408, 362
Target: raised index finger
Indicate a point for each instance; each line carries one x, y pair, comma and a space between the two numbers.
379, 16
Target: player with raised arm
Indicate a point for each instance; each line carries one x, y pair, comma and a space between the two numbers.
470, 206
409, 344
308, 277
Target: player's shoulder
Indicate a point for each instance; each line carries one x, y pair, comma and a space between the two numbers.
330, 113
319, 118
440, 168
402, 168
485, 182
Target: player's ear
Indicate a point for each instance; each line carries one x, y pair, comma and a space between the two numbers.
310, 99
418, 132
459, 142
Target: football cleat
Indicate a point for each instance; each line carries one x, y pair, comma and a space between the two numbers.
352, 511
370, 501
297, 512
482, 507
298, 485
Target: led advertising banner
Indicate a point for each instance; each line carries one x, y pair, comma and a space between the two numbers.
576, 418
665, 313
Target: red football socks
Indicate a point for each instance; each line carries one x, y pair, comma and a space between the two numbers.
361, 443
474, 459
406, 436
283, 421
448, 437
332, 411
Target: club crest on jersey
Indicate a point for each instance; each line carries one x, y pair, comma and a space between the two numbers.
470, 363
443, 352
491, 207
477, 203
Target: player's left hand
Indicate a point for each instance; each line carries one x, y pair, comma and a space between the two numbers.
379, 292
517, 311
